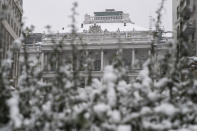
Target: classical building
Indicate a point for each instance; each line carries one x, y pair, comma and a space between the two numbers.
10, 29
185, 23
99, 38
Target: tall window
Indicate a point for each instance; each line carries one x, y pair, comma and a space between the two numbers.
141, 55
97, 65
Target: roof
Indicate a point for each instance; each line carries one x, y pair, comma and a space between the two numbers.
114, 27
109, 12
112, 13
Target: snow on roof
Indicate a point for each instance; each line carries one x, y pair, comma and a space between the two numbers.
113, 27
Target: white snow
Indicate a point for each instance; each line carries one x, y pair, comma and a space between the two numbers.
96, 84
82, 94
109, 79
47, 106
184, 129
124, 128
17, 44
113, 27
115, 116
157, 126
144, 76
123, 87
193, 58
137, 96
193, 127
153, 95
145, 110
131, 116
166, 108
101, 108
111, 95
14, 111
109, 75
161, 82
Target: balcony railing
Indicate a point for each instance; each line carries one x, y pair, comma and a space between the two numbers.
106, 19
49, 74
101, 37
31, 48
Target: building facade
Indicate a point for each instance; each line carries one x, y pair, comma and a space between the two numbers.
33, 38
185, 23
11, 12
174, 18
99, 39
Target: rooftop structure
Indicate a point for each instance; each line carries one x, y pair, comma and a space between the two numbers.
107, 16
109, 12
109, 20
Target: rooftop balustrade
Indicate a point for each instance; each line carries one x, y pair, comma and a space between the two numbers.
100, 37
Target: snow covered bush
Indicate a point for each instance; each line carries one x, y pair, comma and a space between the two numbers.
156, 101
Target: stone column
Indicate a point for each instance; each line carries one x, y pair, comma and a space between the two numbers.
102, 61
44, 60
149, 52
133, 58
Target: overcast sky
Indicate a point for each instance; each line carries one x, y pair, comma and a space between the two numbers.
56, 12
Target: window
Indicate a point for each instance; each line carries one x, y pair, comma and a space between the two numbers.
97, 65
46, 61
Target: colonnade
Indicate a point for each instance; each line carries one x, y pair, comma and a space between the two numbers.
106, 56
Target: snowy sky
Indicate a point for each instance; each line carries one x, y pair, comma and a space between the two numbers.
56, 12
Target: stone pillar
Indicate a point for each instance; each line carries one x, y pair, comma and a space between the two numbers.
133, 58
149, 52
102, 61
44, 60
